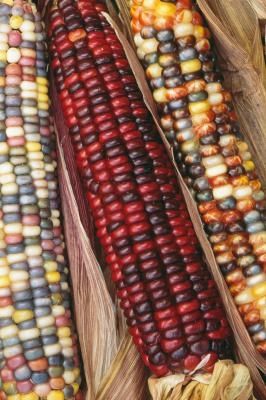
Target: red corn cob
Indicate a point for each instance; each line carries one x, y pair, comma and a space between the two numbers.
169, 299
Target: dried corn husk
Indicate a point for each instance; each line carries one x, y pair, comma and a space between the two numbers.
228, 381
260, 7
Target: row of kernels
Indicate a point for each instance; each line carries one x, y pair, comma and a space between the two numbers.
23, 131
190, 37
116, 148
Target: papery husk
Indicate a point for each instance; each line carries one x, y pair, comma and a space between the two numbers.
126, 363
228, 381
245, 348
260, 7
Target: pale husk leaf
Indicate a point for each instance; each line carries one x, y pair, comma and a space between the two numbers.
229, 381
260, 7
126, 376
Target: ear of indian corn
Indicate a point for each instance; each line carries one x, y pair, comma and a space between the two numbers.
38, 350
169, 299
199, 120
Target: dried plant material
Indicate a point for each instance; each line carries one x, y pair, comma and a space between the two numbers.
229, 381
245, 348
236, 31
121, 381
124, 14
260, 7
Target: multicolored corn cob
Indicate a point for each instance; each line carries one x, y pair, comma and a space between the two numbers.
170, 302
38, 349
198, 118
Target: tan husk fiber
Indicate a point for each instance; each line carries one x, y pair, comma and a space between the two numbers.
228, 381
260, 7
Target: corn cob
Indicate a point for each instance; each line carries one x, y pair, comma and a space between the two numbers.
199, 120
168, 297
38, 350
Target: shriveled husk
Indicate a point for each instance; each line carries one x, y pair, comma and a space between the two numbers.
228, 381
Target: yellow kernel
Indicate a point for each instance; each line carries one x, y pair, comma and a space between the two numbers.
33, 146
2, 81
249, 165
199, 107
42, 89
55, 395
199, 32
63, 332
165, 9
42, 81
259, 290
75, 387
160, 95
43, 106
242, 146
22, 315
188, 67
29, 396
4, 281
15, 21
53, 277
154, 71
43, 98
14, 397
